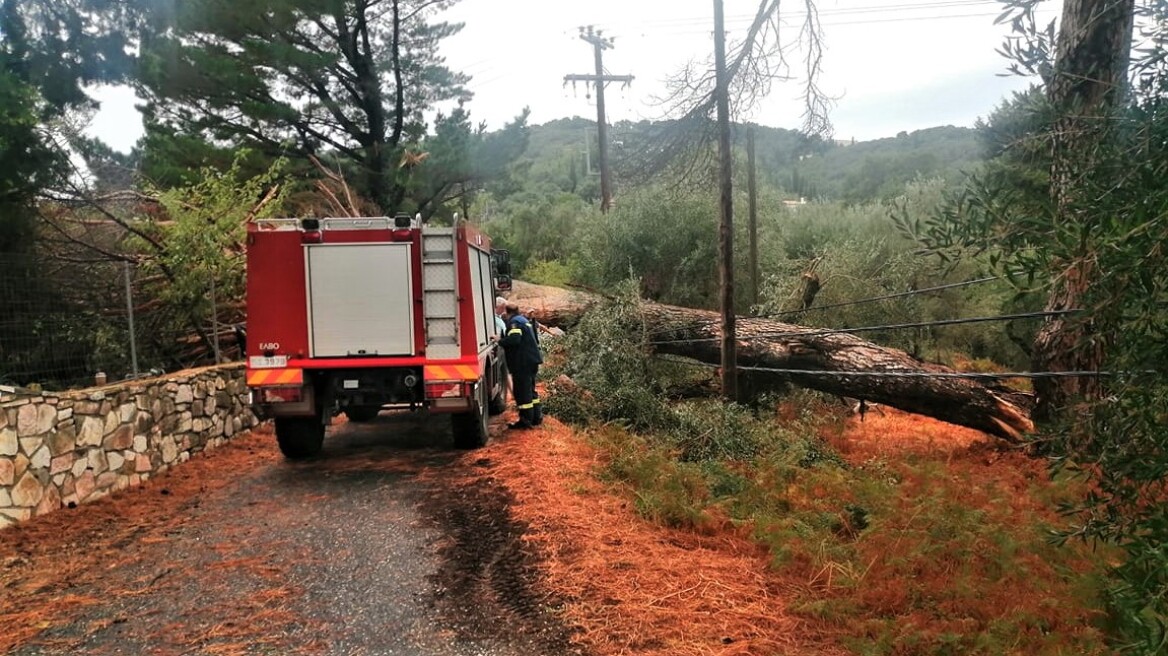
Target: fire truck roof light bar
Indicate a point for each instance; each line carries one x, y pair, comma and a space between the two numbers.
312, 224
370, 223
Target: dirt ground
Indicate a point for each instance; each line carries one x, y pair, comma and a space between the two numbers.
393, 543
389, 543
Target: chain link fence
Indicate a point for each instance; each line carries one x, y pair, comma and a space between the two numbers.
76, 321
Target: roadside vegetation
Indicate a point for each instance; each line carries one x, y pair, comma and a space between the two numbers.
945, 550
258, 113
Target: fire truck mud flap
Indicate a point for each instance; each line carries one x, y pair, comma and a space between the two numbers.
472, 429
299, 437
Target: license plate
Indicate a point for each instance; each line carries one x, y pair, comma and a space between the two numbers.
352, 384
268, 362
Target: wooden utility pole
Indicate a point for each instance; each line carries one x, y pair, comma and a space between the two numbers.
752, 200
726, 203
599, 45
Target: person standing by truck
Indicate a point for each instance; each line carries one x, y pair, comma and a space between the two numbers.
500, 310
523, 359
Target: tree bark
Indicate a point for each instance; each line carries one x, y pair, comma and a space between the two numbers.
1090, 75
769, 344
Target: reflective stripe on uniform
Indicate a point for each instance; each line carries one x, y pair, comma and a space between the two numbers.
535, 401
525, 406
515, 331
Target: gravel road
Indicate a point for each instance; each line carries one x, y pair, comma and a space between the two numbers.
389, 543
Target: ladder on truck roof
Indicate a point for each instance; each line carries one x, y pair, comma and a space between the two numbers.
440, 290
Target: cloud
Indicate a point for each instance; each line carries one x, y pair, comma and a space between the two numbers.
959, 99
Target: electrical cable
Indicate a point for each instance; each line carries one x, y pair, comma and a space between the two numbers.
886, 297
920, 374
861, 301
896, 326
845, 11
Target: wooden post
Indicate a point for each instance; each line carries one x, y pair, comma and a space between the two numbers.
752, 208
726, 203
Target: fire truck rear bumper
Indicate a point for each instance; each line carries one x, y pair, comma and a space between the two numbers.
283, 401
442, 406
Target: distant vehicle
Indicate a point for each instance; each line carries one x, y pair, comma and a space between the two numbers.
357, 314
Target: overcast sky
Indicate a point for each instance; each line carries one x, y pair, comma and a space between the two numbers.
893, 64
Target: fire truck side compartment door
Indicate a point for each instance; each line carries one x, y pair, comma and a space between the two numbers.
484, 302
360, 299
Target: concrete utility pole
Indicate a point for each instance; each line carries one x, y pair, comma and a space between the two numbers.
726, 202
599, 45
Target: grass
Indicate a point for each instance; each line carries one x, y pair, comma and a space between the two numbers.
900, 535
925, 554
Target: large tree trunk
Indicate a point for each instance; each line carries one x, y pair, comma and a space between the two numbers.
1090, 74
768, 344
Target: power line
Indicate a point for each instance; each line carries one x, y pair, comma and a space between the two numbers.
862, 301
921, 374
846, 11
696, 30
891, 13
895, 326
947, 374
886, 297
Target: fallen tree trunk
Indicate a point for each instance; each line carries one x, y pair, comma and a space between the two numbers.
856, 368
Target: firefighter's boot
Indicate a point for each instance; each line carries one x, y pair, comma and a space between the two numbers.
536, 413
525, 415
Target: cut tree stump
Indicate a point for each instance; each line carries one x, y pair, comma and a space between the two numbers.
768, 344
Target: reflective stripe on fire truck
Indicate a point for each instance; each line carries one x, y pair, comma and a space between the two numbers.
450, 372
261, 377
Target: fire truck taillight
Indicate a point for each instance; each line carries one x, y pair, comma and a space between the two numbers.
444, 390
280, 394
402, 234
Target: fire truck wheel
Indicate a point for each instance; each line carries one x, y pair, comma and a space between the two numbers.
361, 413
471, 428
498, 403
299, 437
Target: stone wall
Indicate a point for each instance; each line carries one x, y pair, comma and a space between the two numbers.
63, 449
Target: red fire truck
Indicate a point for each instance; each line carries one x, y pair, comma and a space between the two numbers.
357, 314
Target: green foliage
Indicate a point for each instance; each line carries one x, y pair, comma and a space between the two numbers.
535, 225
857, 254
879, 169
59, 46
461, 160
788, 161
665, 491
901, 557
49, 50
27, 162
1112, 218
170, 158
606, 355
203, 243
664, 237
547, 272
302, 76
908, 558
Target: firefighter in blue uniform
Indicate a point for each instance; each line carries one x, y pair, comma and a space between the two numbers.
523, 359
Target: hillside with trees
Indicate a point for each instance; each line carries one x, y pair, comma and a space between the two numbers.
562, 155
1023, 254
